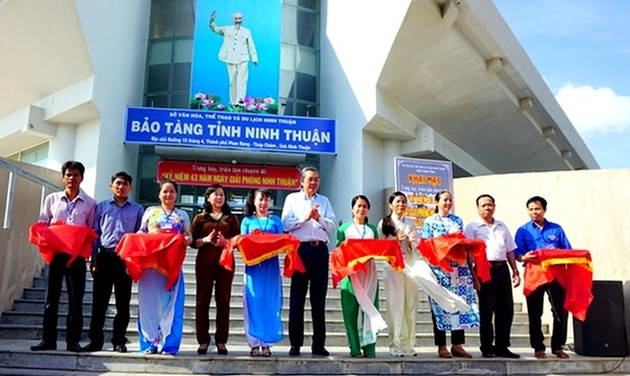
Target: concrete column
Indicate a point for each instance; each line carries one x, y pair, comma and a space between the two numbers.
63, 148
391, 149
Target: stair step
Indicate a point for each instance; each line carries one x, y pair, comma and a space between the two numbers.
39, 293
333, 311
237, 337
18, 360
334, 322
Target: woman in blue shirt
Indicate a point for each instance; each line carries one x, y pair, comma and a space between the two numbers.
262, 288
460, 281
161, 312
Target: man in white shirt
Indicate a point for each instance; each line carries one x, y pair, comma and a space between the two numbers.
308, 216
495, 295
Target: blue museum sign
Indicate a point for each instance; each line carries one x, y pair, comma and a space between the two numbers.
230, 130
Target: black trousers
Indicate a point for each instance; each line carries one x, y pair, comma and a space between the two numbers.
315, 259
74, 276
535, 302
110, 272
496, 299
458, 337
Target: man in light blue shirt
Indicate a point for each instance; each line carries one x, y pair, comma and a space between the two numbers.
114, 218
308, 216
74, 207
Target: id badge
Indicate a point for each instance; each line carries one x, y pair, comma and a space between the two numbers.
166, 226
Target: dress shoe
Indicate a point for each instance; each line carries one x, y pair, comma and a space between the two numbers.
120, 348
203, 349
74, 347
487, 355
321, 351
443, 352
221, 349
43, 346
294, 351
460, 352
506, 353
540, 354
91, 347
560, 354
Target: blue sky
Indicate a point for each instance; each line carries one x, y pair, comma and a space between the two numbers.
582, 50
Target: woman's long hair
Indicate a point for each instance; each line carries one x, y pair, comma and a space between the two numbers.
387, 226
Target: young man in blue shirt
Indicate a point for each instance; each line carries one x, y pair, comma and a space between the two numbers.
114, 217
539, 233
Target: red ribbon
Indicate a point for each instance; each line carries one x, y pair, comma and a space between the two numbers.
352, 254
75, 240
455, 247
162, 251
573, 269
261, 246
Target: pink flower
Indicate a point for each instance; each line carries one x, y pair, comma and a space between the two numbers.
200, 96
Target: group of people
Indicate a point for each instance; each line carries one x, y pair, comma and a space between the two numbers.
309, 217
160, 313
495, 299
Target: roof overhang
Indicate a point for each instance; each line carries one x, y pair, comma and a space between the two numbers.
457, 67
45, 63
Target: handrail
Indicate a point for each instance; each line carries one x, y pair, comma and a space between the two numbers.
16, 170
5, 163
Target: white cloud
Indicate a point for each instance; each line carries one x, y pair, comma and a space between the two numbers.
595, 110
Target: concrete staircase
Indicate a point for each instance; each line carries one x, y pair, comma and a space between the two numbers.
25, 319
21, 327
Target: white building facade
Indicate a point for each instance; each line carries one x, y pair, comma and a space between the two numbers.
434, 79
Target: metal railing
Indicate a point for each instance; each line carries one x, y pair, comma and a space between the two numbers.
19, 260
14, 171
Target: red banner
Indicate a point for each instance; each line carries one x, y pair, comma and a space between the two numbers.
573, 269
228, 175
62, 238
351, 255
162, 251
258, 247
455, 247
